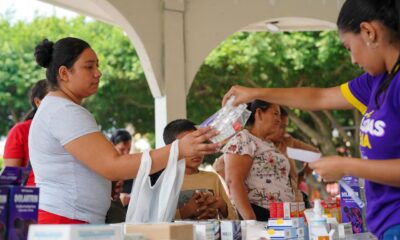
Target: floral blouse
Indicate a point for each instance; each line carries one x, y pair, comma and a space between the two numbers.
268, 178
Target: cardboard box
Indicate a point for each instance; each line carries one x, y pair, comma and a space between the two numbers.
204, 230
74, 232
231, 230
285, 223
301, 208
11, 176
162, 231
273, 210
283, 233
18, 204
286, 209
351, 212
3, 212
22, 210
344, 230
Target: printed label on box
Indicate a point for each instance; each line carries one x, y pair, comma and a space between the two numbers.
23, 210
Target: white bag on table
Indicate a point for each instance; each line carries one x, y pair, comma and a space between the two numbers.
157, 203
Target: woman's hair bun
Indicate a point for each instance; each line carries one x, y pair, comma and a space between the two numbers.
43, 53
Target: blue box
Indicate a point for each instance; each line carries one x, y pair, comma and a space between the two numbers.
3, 211
23, 203
351, 212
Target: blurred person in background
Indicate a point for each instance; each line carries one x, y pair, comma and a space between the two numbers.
16, 152
282, 140
122, 141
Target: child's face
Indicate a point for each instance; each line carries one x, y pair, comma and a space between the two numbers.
193, 162
123, 147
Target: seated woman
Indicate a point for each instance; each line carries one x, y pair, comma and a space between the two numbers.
255, 171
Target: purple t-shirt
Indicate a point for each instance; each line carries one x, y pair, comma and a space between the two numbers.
379, 140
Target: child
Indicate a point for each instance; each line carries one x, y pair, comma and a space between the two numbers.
202, 194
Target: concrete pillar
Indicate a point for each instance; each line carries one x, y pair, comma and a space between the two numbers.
172, 104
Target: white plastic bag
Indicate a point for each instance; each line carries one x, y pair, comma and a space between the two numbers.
157, 203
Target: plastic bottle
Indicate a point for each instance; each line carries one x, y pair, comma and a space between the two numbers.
318, 226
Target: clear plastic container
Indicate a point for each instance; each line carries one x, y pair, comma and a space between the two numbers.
227, 121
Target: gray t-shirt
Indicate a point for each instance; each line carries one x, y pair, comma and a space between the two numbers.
67, 187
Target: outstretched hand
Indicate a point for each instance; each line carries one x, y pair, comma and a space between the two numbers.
331, 168
194, 144
242, 95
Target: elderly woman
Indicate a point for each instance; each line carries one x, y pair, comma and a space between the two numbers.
256, 172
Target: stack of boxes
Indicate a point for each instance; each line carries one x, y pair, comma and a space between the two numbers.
18, 204
204, 230
332, 208
76, 232
287, 221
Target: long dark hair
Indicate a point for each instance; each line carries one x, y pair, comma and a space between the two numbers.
387, 12
52, 56
37, 91
253, 106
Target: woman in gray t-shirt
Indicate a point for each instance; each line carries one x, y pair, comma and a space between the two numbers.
72, 160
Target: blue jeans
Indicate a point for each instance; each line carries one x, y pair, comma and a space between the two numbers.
392, 233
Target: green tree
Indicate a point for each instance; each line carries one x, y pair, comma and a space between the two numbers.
280, 60
251, 59
123, 95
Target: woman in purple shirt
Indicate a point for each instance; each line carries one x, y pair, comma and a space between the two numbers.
370, 30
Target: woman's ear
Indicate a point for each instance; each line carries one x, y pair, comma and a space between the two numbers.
37, 101
369, 33
63, 73
258, 114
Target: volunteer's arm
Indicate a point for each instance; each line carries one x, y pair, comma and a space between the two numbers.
96, 152
306, 98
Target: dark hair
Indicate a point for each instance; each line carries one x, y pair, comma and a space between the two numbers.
252, 107
120, 135
52, 56
354, 12
283, 111
387, 12
38, 90
176, 127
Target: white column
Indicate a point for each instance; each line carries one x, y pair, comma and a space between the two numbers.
172, 105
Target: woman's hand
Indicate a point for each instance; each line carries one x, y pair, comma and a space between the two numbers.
331, 168
242, 95
193, 144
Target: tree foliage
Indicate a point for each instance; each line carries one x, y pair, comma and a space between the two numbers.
252, 59
280, 60
123, 96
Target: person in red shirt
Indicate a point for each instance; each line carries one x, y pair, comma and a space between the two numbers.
16, 151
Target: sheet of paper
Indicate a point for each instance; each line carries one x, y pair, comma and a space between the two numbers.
303, 155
